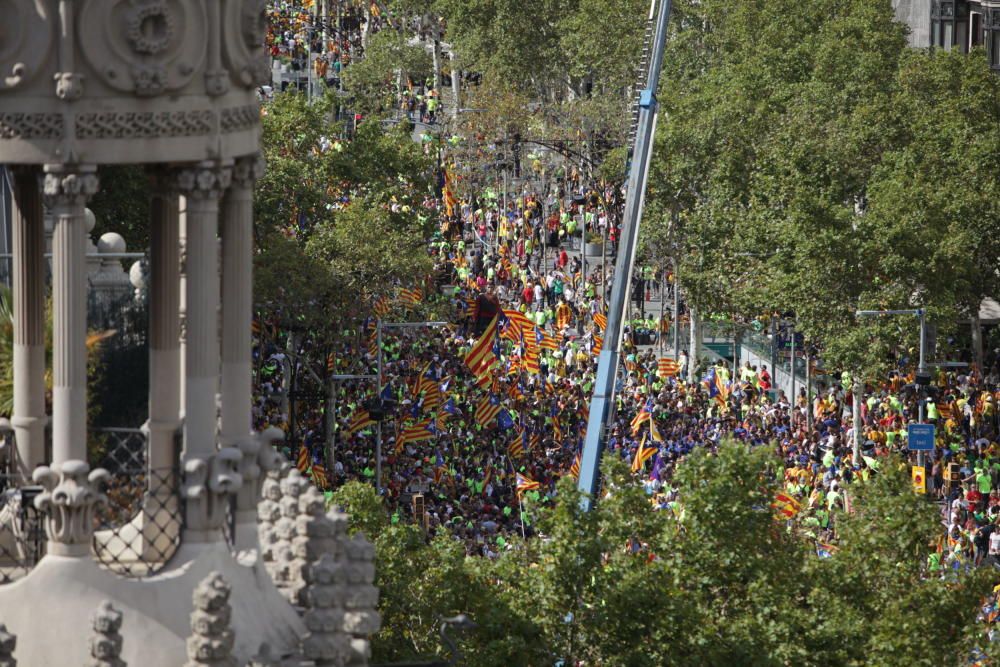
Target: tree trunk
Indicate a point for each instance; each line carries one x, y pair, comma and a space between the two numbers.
436, 52
858, 391
977, 340
694, 345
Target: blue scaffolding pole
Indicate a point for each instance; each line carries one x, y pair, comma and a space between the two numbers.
602, 403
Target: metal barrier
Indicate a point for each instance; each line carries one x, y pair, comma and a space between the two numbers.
140, 527
22, 537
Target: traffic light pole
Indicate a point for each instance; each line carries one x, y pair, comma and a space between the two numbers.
601, 412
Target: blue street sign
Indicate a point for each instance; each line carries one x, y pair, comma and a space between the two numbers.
920, 437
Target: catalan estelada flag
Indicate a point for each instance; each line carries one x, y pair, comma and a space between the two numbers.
516, 447
564, 315
601, 320
410, 297
642, 454
319, 476
360, 420
381, 306
785, 506
487, 411
525, 483
450, 200
667, 367
574, 469
302, 463
644, 414
481, 353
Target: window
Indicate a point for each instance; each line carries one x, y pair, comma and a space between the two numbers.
992, 36
975, 30
950, 24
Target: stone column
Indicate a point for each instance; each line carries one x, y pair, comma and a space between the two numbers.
164, 324
201, 187
28, 419
237, 301
67, 188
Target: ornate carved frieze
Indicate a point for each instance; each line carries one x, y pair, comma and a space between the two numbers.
238, 119
31, 126
144, 125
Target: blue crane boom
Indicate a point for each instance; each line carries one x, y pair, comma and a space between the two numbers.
602, 403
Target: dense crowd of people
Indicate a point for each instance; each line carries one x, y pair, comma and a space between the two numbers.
465, 438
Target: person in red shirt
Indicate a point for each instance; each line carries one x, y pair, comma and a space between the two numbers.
765, 379
527, 294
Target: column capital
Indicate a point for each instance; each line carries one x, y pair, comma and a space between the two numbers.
247, 170
205, 180
69, 185
69, 501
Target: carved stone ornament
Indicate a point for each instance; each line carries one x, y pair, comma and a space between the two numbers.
144, 124
203, 181
150, 26
8, 642
208, 483
106, 642
26, 38
146, 47
211, 640
326, 643
69, 85
69, 187
216, 82
244, 31
31, 126
259, 458
69, 501
247, 171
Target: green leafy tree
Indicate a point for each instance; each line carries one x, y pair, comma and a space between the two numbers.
719, 581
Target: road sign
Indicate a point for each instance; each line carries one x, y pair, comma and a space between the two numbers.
919, 480
920, 437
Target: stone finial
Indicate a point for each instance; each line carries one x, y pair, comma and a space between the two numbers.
268, 513
315, 535
8, 642
211, 641
325, 643
69, 503
361, 618
290, 487
106, 642
208, 482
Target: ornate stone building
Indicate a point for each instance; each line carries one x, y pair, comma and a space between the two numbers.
171, 85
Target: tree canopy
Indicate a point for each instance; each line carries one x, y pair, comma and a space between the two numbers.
717, 580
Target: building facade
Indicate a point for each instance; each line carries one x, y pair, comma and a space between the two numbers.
953, 24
